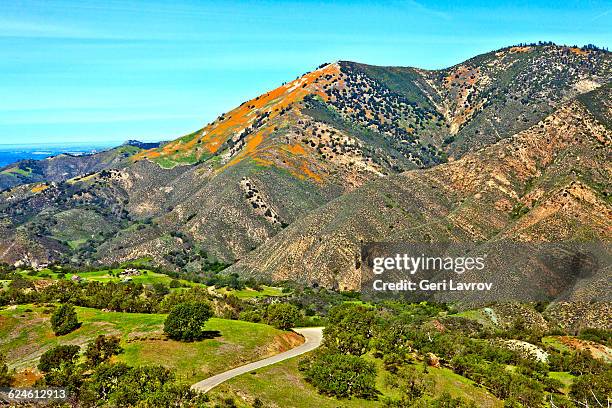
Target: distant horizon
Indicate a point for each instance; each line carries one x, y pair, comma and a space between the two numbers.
152, 71
77, 143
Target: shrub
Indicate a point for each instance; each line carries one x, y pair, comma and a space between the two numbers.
282, 315
341, 375
53, 358
6, 378
102, 349
349, 329
592, 389
64, 320
251, 316
186, 321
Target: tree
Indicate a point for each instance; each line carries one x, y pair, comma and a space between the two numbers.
282, 315
186, 321
6, 378
349, 329
160, 289
592, 389
64, 320
341, 375
102, 349
411, 386
53, 358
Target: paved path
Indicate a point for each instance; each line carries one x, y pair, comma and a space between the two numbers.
312, 336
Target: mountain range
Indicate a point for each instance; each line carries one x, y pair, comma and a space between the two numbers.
511, 144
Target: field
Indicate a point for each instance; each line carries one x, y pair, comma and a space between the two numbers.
25, 333
251, 293
108, 275
148, 277
282, 385
278, 384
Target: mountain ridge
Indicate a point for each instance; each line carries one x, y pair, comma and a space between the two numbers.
227, 190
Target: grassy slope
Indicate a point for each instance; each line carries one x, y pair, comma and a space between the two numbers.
25, 333
250, 293
110, 275
280, 383
149, 278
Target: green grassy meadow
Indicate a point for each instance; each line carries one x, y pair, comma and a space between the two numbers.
280, 383
25, 334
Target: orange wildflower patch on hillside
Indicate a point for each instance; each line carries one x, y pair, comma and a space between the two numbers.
296, 149
311, 174
270, 104
520, 49
578, 51
40, 187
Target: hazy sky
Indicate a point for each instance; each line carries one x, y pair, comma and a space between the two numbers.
115, 70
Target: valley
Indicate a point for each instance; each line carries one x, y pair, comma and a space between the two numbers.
127, 275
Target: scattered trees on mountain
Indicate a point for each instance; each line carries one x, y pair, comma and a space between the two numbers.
186, 321
64, 320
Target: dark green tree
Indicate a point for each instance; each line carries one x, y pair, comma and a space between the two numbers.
6, 378
64, 320
341, 375
53, 358
282, 315
592, 389
186, 321
349, 329
102, 349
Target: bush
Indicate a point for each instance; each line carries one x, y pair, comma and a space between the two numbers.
592, 389
186, 321
252, 316
52, 359
64, 320
102, 349
6, 378
341, 375
349, 329
282, 315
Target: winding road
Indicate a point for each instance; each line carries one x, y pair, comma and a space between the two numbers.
312, 336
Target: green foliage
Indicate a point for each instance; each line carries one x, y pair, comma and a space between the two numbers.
175, 283
160, 289
6, 377
282, 315
411, 385
597, 335
253, 316
340, 375
518, 210
102, 349
64, 320
68, 375
147, 386
52, 359
186, 321
593, 389
349, 329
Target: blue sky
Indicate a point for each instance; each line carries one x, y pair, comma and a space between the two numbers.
107, 71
